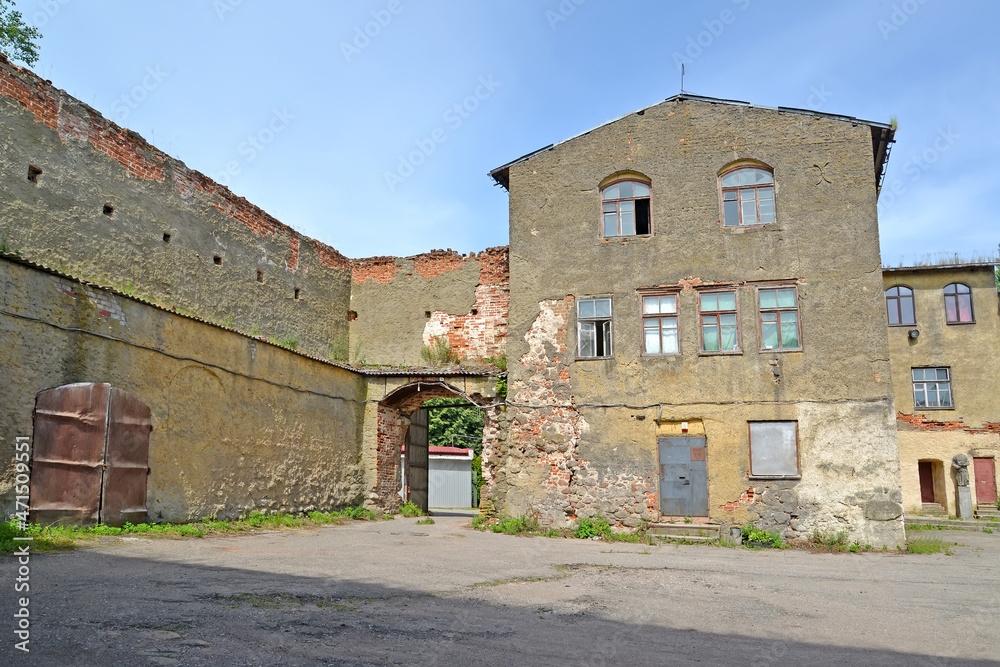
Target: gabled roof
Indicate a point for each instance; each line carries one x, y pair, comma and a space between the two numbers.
882, 133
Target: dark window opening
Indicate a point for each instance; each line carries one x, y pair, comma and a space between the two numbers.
427, 314
166, 237
474, 311
260, 276
352, 315
298, 293
218, 260
642, 225
33, 173
108, 209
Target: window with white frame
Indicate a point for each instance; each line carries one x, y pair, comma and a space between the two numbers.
774, 449
932, 388
659, 324
593, 321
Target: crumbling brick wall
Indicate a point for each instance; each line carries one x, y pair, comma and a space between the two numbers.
104, 204
403, 304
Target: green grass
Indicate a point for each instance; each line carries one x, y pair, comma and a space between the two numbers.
509, 525
425, 522
928, 545
410, 510
58, 537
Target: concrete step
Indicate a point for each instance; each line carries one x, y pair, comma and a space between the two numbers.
952, 524
933, 509
684, 538
685, 531
988, 513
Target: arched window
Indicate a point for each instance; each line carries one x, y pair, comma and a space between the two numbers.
899, 303
747, 196
625, 209
958, 303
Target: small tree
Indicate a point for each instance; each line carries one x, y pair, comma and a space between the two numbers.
17, 39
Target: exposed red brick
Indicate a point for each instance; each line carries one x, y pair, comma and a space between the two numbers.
923, 423
74, 120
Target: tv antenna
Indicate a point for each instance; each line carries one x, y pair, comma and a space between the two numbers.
682, 78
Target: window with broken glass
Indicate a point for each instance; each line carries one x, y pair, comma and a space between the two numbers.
593, 321
779, 319
932, 388
720, 329
958, 304
899, 304
625, 209
659, 324
747, 197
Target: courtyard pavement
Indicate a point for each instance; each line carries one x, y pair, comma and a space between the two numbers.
395, 592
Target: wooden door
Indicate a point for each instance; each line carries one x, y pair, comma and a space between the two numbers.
926, 470
986, 480
683, 476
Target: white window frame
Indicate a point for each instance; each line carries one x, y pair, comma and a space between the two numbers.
594, 320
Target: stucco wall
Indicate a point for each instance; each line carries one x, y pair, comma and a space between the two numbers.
941, 446
238, 424
825, 241
972, 354
402, 303
87, 163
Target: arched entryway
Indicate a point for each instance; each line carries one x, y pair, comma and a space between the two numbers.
402, 459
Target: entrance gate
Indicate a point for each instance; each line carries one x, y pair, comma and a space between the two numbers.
90, 456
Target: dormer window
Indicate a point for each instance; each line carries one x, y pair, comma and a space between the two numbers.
747, 196
625, 209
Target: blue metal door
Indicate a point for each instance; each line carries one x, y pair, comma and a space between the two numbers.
683, 476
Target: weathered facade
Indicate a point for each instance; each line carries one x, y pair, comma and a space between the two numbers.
778, 418
193, 302
944, 346
603, 394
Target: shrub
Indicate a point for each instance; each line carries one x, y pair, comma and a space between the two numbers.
410, 510
754, 534
587, 527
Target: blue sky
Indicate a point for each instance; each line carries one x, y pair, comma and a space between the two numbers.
300, 111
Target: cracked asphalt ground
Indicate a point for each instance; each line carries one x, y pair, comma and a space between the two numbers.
394, 592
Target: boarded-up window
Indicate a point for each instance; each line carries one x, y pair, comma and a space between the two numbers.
774, 449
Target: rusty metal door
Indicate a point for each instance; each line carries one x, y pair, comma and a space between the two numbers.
67, 464
683, 476
416, 459
123, 495
90, 454
986, 480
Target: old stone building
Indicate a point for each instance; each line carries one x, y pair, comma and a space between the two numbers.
696, 324
944, 346
690, 309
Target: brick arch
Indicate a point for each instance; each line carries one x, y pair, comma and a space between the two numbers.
393, 421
